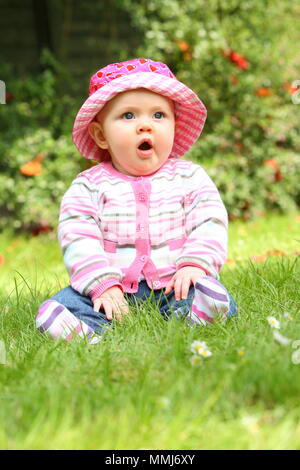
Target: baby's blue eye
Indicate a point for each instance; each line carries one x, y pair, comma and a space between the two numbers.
128, 115
158, 115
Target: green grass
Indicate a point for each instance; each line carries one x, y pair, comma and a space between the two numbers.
137, 389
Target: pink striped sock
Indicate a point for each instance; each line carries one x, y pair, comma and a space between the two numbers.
211, 300
57, 321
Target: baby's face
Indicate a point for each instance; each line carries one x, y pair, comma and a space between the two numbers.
137, 127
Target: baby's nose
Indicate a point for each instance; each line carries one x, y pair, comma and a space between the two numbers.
144, 126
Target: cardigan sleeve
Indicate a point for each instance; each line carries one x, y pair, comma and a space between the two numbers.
81, 241
206, 225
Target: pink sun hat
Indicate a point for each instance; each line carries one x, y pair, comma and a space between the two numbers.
190, 112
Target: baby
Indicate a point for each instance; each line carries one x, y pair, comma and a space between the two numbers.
143, 221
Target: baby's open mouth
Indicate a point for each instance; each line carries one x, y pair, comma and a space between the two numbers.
145, 146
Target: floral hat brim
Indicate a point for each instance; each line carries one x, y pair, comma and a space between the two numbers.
190, 112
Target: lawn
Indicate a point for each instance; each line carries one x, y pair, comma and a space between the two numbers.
138, 388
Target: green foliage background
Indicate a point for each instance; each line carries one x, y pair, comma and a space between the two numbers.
251, 141
243, 130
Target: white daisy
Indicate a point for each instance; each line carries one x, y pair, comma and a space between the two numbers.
205, 353
198, 346
195, 359
251, 423
273, 322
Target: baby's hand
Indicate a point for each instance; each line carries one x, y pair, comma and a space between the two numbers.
113, 303
182, 279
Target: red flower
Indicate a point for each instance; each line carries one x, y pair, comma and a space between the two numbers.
236, 58
41, 229
271, 162
288, 86
183, 46
263, 91
186, 49
34, 167
278, 176
9, 96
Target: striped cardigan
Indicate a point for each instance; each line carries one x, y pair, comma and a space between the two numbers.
116, 229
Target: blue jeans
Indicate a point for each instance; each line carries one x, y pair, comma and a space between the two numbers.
82, 307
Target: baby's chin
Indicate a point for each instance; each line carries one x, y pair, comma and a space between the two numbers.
146, 171
142, 171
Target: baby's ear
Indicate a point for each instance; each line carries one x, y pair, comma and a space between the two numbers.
97, 134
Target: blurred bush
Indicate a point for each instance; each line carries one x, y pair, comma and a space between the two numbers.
37, 157
240, 57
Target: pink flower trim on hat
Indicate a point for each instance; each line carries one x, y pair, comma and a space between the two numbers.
190, 112
113, 71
